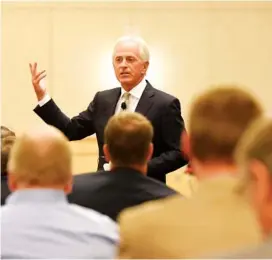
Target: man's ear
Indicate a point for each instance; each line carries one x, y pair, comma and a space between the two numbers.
12, 184
146, 65
150, 151
185, 144
69, 186
106, 152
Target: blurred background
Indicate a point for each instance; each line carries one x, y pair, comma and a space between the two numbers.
193, 45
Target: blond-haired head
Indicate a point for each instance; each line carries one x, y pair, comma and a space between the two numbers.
217, 120
128, 139
40, 158
256, 143
7, 141
254, 159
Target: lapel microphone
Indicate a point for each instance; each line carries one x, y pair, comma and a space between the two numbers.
124, 105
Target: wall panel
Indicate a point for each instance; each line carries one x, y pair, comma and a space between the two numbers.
192, 44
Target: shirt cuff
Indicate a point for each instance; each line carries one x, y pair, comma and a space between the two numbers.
43, 101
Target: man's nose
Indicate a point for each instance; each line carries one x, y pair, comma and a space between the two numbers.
123, 63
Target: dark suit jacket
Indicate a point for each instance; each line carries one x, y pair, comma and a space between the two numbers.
161, 109
4, 189
109, 192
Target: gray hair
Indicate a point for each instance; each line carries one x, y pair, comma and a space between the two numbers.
143, 48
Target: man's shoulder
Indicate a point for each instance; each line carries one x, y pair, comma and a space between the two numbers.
4, 210
260, 251
108, 92
162, 94
91, 215
148, 212
158, 188
90, 175
136, 180
165, 95
165, 100
90, 178
92, 221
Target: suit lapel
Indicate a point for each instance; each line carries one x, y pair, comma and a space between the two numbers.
146, 100
111, 101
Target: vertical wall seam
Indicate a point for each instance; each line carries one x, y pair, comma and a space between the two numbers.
50, 71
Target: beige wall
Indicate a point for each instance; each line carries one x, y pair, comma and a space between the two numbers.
192, 45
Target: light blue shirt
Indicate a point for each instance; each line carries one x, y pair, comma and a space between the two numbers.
40, 223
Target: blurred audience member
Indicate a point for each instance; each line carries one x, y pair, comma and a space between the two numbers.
6, 132
254, 156
217, 217
37, 221
7, 140
184, 181
185, 148
128, 147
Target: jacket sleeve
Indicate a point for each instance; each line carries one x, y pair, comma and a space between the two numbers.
171, 159
75, 128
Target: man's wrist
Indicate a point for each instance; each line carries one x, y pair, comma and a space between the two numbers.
44, 100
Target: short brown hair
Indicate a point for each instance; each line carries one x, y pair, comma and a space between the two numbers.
128, 136
7, 140
218, 119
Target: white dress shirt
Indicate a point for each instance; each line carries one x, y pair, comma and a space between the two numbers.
135, 95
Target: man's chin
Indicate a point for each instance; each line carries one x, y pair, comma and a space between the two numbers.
125, 81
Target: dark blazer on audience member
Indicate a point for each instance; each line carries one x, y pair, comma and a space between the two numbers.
162, 109
109, 192
4, 189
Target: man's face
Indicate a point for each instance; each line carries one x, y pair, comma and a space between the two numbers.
128, 66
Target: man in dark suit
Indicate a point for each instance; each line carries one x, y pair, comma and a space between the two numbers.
130, 61
7, 140
128, 147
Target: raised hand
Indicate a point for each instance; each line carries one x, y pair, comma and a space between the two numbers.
36, 81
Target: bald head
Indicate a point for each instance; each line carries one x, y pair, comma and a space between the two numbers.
41, 157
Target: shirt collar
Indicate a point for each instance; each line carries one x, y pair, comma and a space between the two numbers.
37, 196
137, 91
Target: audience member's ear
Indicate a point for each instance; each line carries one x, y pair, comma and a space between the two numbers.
106, 153
185, 144
12, 184
261, 182
68, 188
150, 151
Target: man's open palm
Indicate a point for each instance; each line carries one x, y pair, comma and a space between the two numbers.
36, 81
